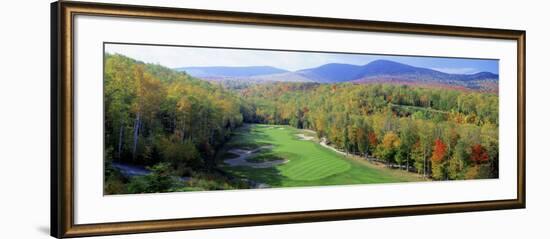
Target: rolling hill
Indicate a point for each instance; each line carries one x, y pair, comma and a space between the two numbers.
383, 71
378, 71
230, 71
331, 73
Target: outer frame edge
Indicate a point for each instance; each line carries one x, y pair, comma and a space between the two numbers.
54, 121
522, 116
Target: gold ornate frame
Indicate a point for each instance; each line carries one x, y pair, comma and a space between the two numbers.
62, 118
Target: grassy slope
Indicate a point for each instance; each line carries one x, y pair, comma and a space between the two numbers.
309, 163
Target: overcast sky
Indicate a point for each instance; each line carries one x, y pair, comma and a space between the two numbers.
173, 57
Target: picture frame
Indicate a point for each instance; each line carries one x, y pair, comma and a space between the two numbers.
63, 120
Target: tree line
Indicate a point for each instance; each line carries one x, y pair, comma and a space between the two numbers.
156, 115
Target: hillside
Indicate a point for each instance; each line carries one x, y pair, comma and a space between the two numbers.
331, 73
378, 71
185, 133
230, 71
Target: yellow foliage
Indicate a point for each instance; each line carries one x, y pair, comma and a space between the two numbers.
391, 140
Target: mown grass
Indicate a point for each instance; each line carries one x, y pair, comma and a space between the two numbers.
265, 157
309, 164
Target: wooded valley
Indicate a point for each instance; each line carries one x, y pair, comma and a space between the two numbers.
177, 127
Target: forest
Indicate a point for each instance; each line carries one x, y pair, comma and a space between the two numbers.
440, 133
177, 126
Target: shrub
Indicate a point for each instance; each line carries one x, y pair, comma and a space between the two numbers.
160, 179
115, 182
181, 155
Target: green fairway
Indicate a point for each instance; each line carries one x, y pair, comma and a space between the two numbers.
298, 160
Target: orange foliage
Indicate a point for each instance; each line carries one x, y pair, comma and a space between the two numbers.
372, 139
439, 151
479, 154
285, 88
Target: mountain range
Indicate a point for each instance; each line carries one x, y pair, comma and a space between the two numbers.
231, 71
378, 71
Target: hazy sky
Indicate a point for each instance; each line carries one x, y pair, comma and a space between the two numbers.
199, 56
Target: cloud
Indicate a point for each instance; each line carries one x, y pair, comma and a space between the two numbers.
176, 56
197, 56
464, 70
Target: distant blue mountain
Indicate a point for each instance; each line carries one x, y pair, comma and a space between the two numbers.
375, 71
477, 76
331, 73
397, 73
230, 71
385, 67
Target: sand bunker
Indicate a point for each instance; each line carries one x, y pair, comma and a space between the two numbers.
305, 137
245, 154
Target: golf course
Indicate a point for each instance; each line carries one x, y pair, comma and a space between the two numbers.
228, 128
283, 156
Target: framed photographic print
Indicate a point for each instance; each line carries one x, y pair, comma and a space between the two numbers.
172, 119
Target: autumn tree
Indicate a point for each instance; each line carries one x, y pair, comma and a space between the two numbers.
439, 155
388, 148
408, 138
458, 161
372, 142
479, 154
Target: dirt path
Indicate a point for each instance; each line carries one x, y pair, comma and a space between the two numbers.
324, 144
133, 170
245, 154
